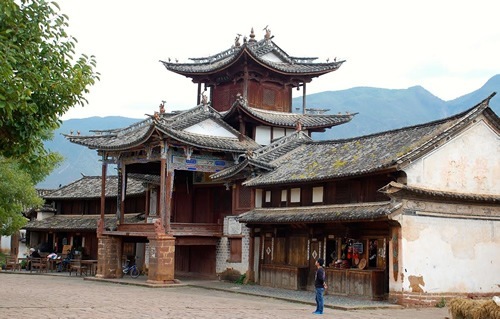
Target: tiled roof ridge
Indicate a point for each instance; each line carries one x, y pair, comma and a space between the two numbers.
66, 186
251, 47
455, 117
287, 139
198, 109
118, 131
456, 121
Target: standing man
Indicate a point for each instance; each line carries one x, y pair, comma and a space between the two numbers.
319, 285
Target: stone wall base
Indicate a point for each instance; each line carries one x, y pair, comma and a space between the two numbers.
410, 299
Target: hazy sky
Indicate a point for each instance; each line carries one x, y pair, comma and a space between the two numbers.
449, 47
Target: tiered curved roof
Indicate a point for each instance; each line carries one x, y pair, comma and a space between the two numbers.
264, 52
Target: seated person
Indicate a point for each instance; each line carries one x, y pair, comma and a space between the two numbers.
33, 254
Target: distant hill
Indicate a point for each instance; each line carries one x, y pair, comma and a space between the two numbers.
384, 109
78, 159
378, 110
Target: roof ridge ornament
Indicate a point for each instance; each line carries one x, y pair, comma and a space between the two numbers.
204, 101
252, 36
162, 107
237, 40
298, 125
268, 35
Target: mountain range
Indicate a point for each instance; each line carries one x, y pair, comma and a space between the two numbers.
377, 110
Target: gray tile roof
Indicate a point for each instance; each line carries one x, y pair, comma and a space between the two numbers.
78, 222
257, 51
171, 125
320, 214
216, 143
261, 159
315, 161
397, 189
89, 187
286, 119
116, 139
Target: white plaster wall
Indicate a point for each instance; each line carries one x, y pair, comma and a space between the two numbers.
209, 127
263, 135
451, 255
5, 244
258, 198
44, 215
468, 163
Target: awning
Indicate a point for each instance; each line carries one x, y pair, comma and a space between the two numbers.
321, 214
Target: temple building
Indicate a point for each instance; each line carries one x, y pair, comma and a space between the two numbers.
188, 216
237, 182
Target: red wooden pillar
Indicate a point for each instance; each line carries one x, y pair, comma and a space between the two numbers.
101, 224
123, 192
166, 186
168, 209
148, 198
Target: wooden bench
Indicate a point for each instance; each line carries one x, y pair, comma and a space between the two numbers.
39, 264
12, 263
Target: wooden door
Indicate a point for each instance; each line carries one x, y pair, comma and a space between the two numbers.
314, 254
268, 250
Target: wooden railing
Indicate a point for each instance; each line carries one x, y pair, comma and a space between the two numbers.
177, 229
137, 228
198, 229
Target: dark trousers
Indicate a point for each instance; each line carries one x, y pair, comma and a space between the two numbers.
319, 299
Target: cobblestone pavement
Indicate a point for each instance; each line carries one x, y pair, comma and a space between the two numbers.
44, 296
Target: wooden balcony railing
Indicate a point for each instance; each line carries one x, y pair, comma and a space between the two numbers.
177, 229
198, 229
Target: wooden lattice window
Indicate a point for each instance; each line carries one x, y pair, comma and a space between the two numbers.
245, 197
269, 97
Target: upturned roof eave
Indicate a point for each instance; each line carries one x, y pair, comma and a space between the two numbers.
397, 191
137, 142
238, 107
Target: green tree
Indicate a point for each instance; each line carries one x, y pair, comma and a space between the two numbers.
41, 77
18, 194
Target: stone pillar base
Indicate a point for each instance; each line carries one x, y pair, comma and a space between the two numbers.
109, 255
161, 259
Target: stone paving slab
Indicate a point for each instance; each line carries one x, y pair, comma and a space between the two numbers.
62, 296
